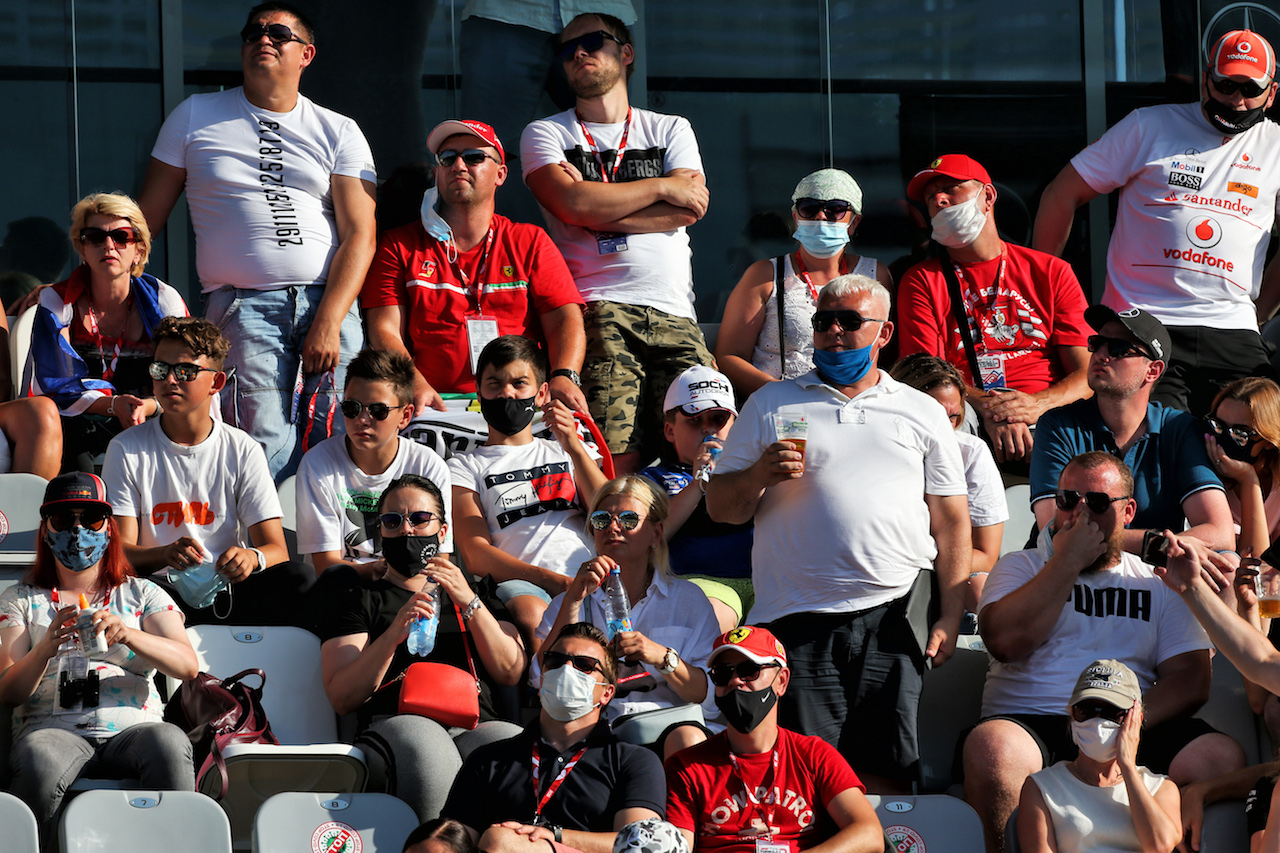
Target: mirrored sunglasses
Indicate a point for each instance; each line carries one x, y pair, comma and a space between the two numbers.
394, 520
628, 518
184, 372
471, 157
1239, 433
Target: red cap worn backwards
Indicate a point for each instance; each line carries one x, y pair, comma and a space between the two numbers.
961, 167
454, 126
757, 644
1243, 53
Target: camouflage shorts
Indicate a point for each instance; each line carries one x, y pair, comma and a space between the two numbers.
633, 354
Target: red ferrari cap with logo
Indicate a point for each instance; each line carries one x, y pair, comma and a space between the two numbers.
757, 644
961, 167
454, 126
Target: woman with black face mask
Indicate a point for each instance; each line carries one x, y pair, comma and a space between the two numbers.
365, 628
1241, 435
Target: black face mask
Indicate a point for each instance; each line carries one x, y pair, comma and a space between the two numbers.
408, 555
746, 709
1224, 119
508, 416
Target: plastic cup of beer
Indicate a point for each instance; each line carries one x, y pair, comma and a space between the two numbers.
1267, 586
794, 428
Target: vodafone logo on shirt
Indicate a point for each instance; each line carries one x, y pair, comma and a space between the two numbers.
1204, 231
1245, 162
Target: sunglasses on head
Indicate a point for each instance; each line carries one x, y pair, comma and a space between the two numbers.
715, 418
471, 157
1239, 433
1227, 86
184, 372
850, 321
722, 673
1117, 347
582, 663
90, 518
278, 33
590, 42
1096, 502
1086, 711
393, 520
377, 411
601, 519
810, 208
99, 236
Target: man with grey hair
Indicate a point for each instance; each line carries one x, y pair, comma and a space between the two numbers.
850, 517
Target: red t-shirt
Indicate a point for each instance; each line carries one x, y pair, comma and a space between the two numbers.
1040, 305
525, 277
705, 795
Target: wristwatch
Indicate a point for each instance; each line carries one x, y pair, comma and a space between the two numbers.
569, 372
670, 661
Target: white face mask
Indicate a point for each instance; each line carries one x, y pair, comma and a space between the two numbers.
959, 224
1097, 738
567, 693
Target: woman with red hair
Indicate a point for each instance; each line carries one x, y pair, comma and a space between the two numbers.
105, 715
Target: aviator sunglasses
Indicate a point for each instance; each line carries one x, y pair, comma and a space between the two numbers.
471, 157
628, 518
278, 33
377, 411
393, 520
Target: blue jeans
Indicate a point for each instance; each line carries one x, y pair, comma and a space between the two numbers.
266, 329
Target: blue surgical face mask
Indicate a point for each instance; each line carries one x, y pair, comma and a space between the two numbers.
845, 367
198, 585
434, 223
822, 239
78, 548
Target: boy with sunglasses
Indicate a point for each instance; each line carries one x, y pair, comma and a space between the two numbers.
715, 557
801, 792
441, 288
192, 493
341, 478
1198, 189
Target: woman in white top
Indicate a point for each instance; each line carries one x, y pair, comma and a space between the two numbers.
827, 207
1102, 800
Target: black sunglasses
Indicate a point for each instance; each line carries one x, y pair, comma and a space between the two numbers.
278, 33
98, 236
810, 208
185, 372
471, 157
1097, 502
1239, 433
850, 321
90, 518
1227, 86
1118, 347
1086, 711
628, 518
715, 418
377, 411
393, 520
590, 42
582, 663
722, 673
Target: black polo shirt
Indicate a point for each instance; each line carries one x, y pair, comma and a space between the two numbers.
496, 782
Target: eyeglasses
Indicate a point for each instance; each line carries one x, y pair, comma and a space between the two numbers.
184, 372
628, 518
1227, 86
90, 518
1118, 347
393, 520
1097, 502
810, 208
377, 411
1085, 711
850, 321
582, 663
590, 42
119, 236
722, 673
1239, 433
716, 419
471, 157
278, 33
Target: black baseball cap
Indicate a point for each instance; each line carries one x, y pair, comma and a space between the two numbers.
1147, 329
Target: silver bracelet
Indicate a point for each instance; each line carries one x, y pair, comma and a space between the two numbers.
475, 605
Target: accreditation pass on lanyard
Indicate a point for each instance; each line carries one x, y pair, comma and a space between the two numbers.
541, 802
764, 841
481, 329
608, 243
990, 362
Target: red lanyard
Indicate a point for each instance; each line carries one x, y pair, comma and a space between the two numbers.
107, 371
606, 177
311, 407
766, 783
804, 274
480, 271
981, 310
555, 783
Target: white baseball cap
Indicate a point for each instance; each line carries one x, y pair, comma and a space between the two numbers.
698, 389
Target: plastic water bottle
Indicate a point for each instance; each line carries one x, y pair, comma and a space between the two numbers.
422, 633
617, 608
91, 642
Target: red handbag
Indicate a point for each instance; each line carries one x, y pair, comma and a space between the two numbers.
445, 693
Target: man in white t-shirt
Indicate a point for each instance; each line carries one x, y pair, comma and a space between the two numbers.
341, 479
1048, 612
618, 186
192, 494
1199, 188
281, 193
848, 523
